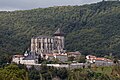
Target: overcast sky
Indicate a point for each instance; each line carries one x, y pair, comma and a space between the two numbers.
8, 5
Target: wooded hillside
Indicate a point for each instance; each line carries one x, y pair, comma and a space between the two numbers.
92, 29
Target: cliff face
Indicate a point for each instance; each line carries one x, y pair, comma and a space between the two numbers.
89, 28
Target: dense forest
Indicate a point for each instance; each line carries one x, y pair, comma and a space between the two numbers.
90, 29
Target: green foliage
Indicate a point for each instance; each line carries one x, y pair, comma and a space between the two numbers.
100, 73
12, 72
34, 75
89, 28
4, 60
81, 59
48, 73
91, 74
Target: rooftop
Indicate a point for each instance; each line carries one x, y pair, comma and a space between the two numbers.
31, 56
74, 53
18, 56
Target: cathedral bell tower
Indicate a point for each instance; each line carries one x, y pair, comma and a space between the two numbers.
59, 41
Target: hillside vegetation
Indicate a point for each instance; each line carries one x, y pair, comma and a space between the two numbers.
19, 72
91, 29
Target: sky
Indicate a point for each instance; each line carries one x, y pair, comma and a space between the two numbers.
11, 5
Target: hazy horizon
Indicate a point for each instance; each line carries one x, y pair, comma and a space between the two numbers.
8, 5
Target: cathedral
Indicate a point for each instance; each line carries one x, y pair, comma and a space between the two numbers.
46, 47
46, 44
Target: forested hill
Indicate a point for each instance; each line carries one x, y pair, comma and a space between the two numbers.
93, 28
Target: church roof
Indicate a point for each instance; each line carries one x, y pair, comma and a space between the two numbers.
31, 56
58, 32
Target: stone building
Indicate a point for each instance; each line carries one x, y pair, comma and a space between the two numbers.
60, 57
30, 58
99, 61
46, 44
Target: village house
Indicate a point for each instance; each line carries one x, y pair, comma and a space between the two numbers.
60, 57
103, 61
27, 58
17, 58
99, 61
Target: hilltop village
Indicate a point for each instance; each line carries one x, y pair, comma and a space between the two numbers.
82, 43
50, 50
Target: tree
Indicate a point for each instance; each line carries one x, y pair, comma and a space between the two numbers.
116, 61
12, 72
81, 59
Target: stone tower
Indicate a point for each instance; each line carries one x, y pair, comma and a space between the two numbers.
46, 44
42, 44
59, 41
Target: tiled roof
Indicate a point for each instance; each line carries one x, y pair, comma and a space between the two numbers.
49, 55
18, 56
100, 59
60, 55
109, 60
103, 59
74, 53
